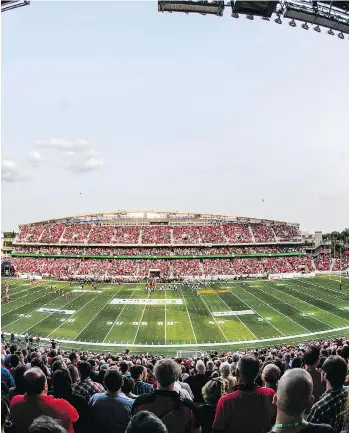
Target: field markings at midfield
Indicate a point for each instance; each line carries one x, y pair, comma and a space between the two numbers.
279, 312
293, 306
83, 329
186, 307
112, 326
321, 309
32, 312
327, 293
213, 318
22, 297
62, 306
278, 330
255, 336
74, 313
139, 323
165, 317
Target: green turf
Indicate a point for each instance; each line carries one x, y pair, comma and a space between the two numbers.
290, 308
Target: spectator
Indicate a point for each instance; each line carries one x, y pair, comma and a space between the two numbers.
85, 386
18, 376
46, 424
205, 413
74, 373
270, 376
249, 408
74, 358
6, 377
62, 388
197, 381
139, 374
293, 398
25, 408
111, 411
311, 360
225, 372
127, 387
175, 412
330, 408
5, 414
146, 422
209, 368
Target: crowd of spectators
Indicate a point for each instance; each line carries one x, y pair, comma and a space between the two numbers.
323, 262
340, 264
156, 251
299, 388
64, 267
157, 234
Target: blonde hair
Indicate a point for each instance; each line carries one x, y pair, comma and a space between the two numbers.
213, 390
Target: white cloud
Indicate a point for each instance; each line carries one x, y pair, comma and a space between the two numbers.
34, 157
11, 172
83, 161
55, 143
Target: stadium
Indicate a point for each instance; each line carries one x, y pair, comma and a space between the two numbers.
172, 282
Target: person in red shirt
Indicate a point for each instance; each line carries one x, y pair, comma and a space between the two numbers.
249, 408
25, 408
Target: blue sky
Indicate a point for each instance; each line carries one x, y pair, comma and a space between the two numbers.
113, 105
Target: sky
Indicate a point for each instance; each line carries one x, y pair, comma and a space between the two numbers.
113, 105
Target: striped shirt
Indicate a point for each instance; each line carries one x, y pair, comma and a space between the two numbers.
142, 388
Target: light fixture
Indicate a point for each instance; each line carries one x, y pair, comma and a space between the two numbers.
317, 29
250, 17
266, 18
305, 26
235, 15
200, 7
293, 23
340, 35
278, 20
331, 32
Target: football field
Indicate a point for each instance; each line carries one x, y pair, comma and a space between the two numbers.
224, 316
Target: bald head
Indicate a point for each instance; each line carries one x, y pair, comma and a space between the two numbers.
35, 381
294, 394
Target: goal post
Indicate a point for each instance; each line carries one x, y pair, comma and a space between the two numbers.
187, 354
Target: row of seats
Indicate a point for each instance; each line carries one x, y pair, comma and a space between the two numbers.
146, 251
158, 234
168, 268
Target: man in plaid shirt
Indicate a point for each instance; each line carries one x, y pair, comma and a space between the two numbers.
331, 406
85, 386
139, 374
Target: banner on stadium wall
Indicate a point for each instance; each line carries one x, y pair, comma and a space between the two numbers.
29, 277
290, 275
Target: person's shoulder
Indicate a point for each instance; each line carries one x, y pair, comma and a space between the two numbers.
144, 399
318, 428
266, 391
17, 399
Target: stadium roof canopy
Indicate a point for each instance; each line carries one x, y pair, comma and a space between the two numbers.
333, 15
7, 5
154, 217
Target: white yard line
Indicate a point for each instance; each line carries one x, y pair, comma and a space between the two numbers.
327, 288
249, 330
213, 318
186, 307
279, 312
112, 326
20, 298
327, 302
227, 343
293, 306
83, 329
76, 312
139, 324
278, 330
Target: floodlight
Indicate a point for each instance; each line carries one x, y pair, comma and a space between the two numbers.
266, 18
260, 8
331, 32
250, 17
235, 15
317, 29
278, 20
293, 23
7, 5
305, 26
200, 7
340, 35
